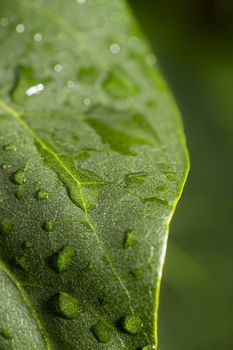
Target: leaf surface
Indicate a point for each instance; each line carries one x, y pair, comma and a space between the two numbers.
93, 162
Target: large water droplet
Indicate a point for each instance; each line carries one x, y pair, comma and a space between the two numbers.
135, 178
66, 306
6, 334
48, 226
148, 347
42, 194
63, 259
5, 166
5, 226
10, 148
130, 239
131, 324
19, 177
118, 85
101, 332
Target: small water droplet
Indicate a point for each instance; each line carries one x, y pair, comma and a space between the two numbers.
161, 201
37, 37
5, 226
34, 90
115, 48
118, 85
131, 324
58, 68
101, 332
20, 28
6, 334
130, 239
4, 21
27, 245
20, 193
148, 347
22, 263
135, 178
9, 148
87, 101
66, 306
5, 166
70, 84
81, 2
42, 194
19, 177
48, 226
137, 273
63, 259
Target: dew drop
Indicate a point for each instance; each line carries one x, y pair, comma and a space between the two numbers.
130, 239
20, 28
27, 245
34, 90
5, 166
10, 148
135, 178
37, 37
5, 226
101, 332
70, 84
148, 347
160, 201
58, 68
81, 2
118, 85
63, 259
87, 101
6, 334
19, 177
20, 193
22, 263
137, 273
48, 226
115, 48
66, 306
42, 194
4, 21
131, 324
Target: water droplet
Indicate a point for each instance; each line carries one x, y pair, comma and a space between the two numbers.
35, 90
58, 68
4, 21
135, 178
37, 37
151, 60
48, 226
137, 273
63, 259
87, 101
81, 2
5, 166
6, 334
70, 84
9, 148
5, 226
115, 48
22, 263
20, 193
148, 347
66, 305
19, 177
27, 245
101, 332
160, 201
20, 28
118, 85
42, 194
130, 239
131, 324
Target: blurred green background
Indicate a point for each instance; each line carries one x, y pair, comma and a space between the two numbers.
193, 41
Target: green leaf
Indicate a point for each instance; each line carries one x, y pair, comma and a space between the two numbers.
93, 162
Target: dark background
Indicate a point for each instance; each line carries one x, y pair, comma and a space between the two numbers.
193, 41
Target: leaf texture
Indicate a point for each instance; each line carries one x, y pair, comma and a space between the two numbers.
93, 162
